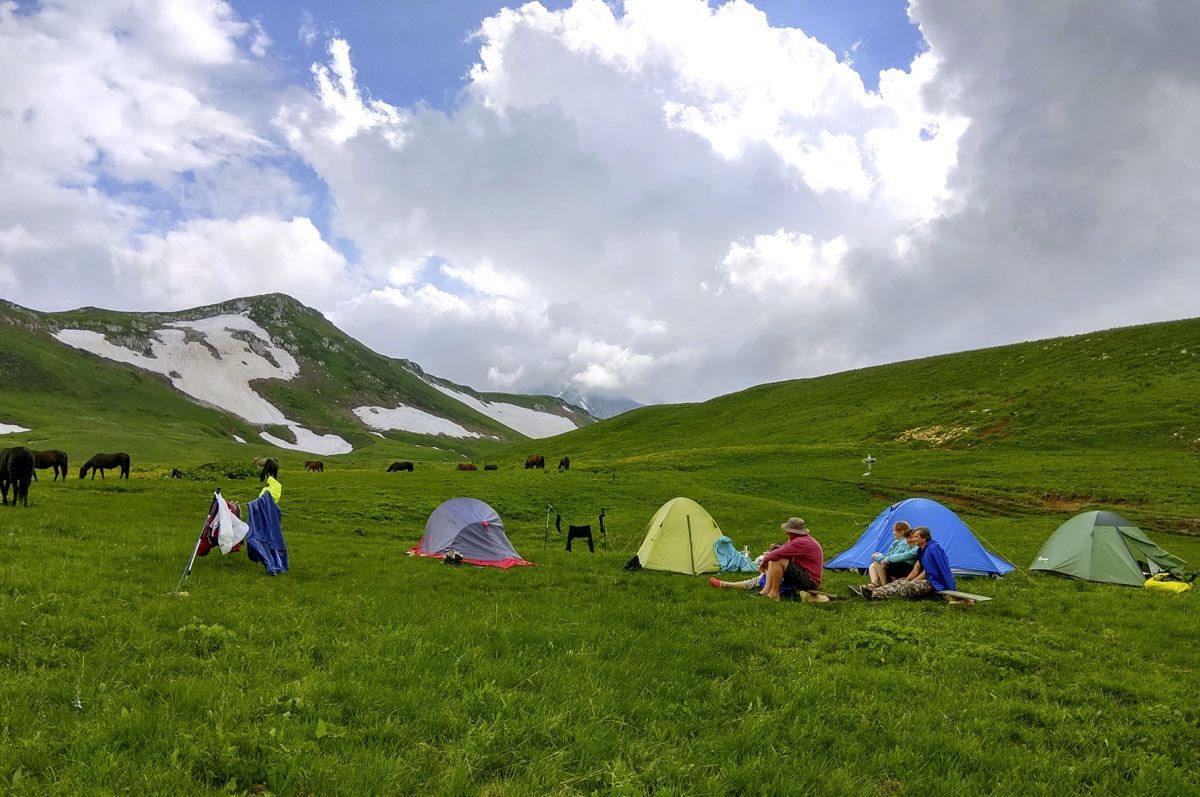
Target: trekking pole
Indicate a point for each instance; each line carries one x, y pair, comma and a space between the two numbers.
187, 571
546, 533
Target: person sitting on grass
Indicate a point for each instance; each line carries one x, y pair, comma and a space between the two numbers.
897, 561
797, 563
931, 573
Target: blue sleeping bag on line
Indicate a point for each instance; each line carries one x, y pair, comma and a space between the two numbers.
730, 559
264, 541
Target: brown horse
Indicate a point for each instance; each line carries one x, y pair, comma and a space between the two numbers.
51, 459
103, 462
314, 465
16, 468
467, 466
535, 461
564, 463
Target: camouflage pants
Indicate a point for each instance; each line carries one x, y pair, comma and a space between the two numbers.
902, 589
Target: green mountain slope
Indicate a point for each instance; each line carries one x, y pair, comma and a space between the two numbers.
337, 374
1108, 418
1120, 388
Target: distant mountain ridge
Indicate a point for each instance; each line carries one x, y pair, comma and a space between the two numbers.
601, 407
282, 373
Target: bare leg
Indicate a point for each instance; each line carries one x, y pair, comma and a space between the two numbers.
750, 583
774, 578
878, 574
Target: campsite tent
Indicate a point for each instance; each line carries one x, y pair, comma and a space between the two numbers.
472, 528
679, 538
967, 557
1103, 546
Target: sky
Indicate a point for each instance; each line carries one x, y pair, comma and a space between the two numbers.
664, 200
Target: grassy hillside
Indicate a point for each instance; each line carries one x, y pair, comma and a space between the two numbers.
1108, 417
364, 671
336, 374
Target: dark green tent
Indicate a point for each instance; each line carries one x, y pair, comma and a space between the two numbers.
1103, 546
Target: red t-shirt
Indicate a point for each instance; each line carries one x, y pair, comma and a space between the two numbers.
804, 552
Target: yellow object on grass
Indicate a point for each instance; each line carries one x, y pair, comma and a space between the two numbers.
1159, 583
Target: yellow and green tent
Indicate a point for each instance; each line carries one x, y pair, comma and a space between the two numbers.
679, 539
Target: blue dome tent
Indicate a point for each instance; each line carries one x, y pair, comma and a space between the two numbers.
967, 557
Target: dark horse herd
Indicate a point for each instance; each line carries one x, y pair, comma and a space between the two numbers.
19, 466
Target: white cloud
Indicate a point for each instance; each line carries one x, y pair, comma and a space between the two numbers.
261, 41
787, 262
110, 114
659, 198
502, 379
211, 260
599, 168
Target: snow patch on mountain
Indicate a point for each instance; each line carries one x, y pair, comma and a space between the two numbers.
529, 422
207, 361
410, 419
310, 442
8, 428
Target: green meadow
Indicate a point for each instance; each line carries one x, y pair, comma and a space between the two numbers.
366, 671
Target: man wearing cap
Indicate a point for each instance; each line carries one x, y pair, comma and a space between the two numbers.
797, 563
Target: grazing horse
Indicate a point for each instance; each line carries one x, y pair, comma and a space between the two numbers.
564, 463
51, 459
491, 466
270, 467
535, 461
314, 465
467, 466
16, 468
103, 462
399, 466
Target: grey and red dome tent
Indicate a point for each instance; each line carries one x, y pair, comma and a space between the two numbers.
472, 528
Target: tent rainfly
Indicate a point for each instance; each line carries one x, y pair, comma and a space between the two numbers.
1103, 546
967, 557
679, 539
472, 528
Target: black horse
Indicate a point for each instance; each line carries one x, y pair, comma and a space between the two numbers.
270, 467
51, 459
103, 462
16, 468
399, 466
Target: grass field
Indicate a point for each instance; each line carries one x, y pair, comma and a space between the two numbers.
365, 671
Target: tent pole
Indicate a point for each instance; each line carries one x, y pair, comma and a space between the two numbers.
691, 550
187, 571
